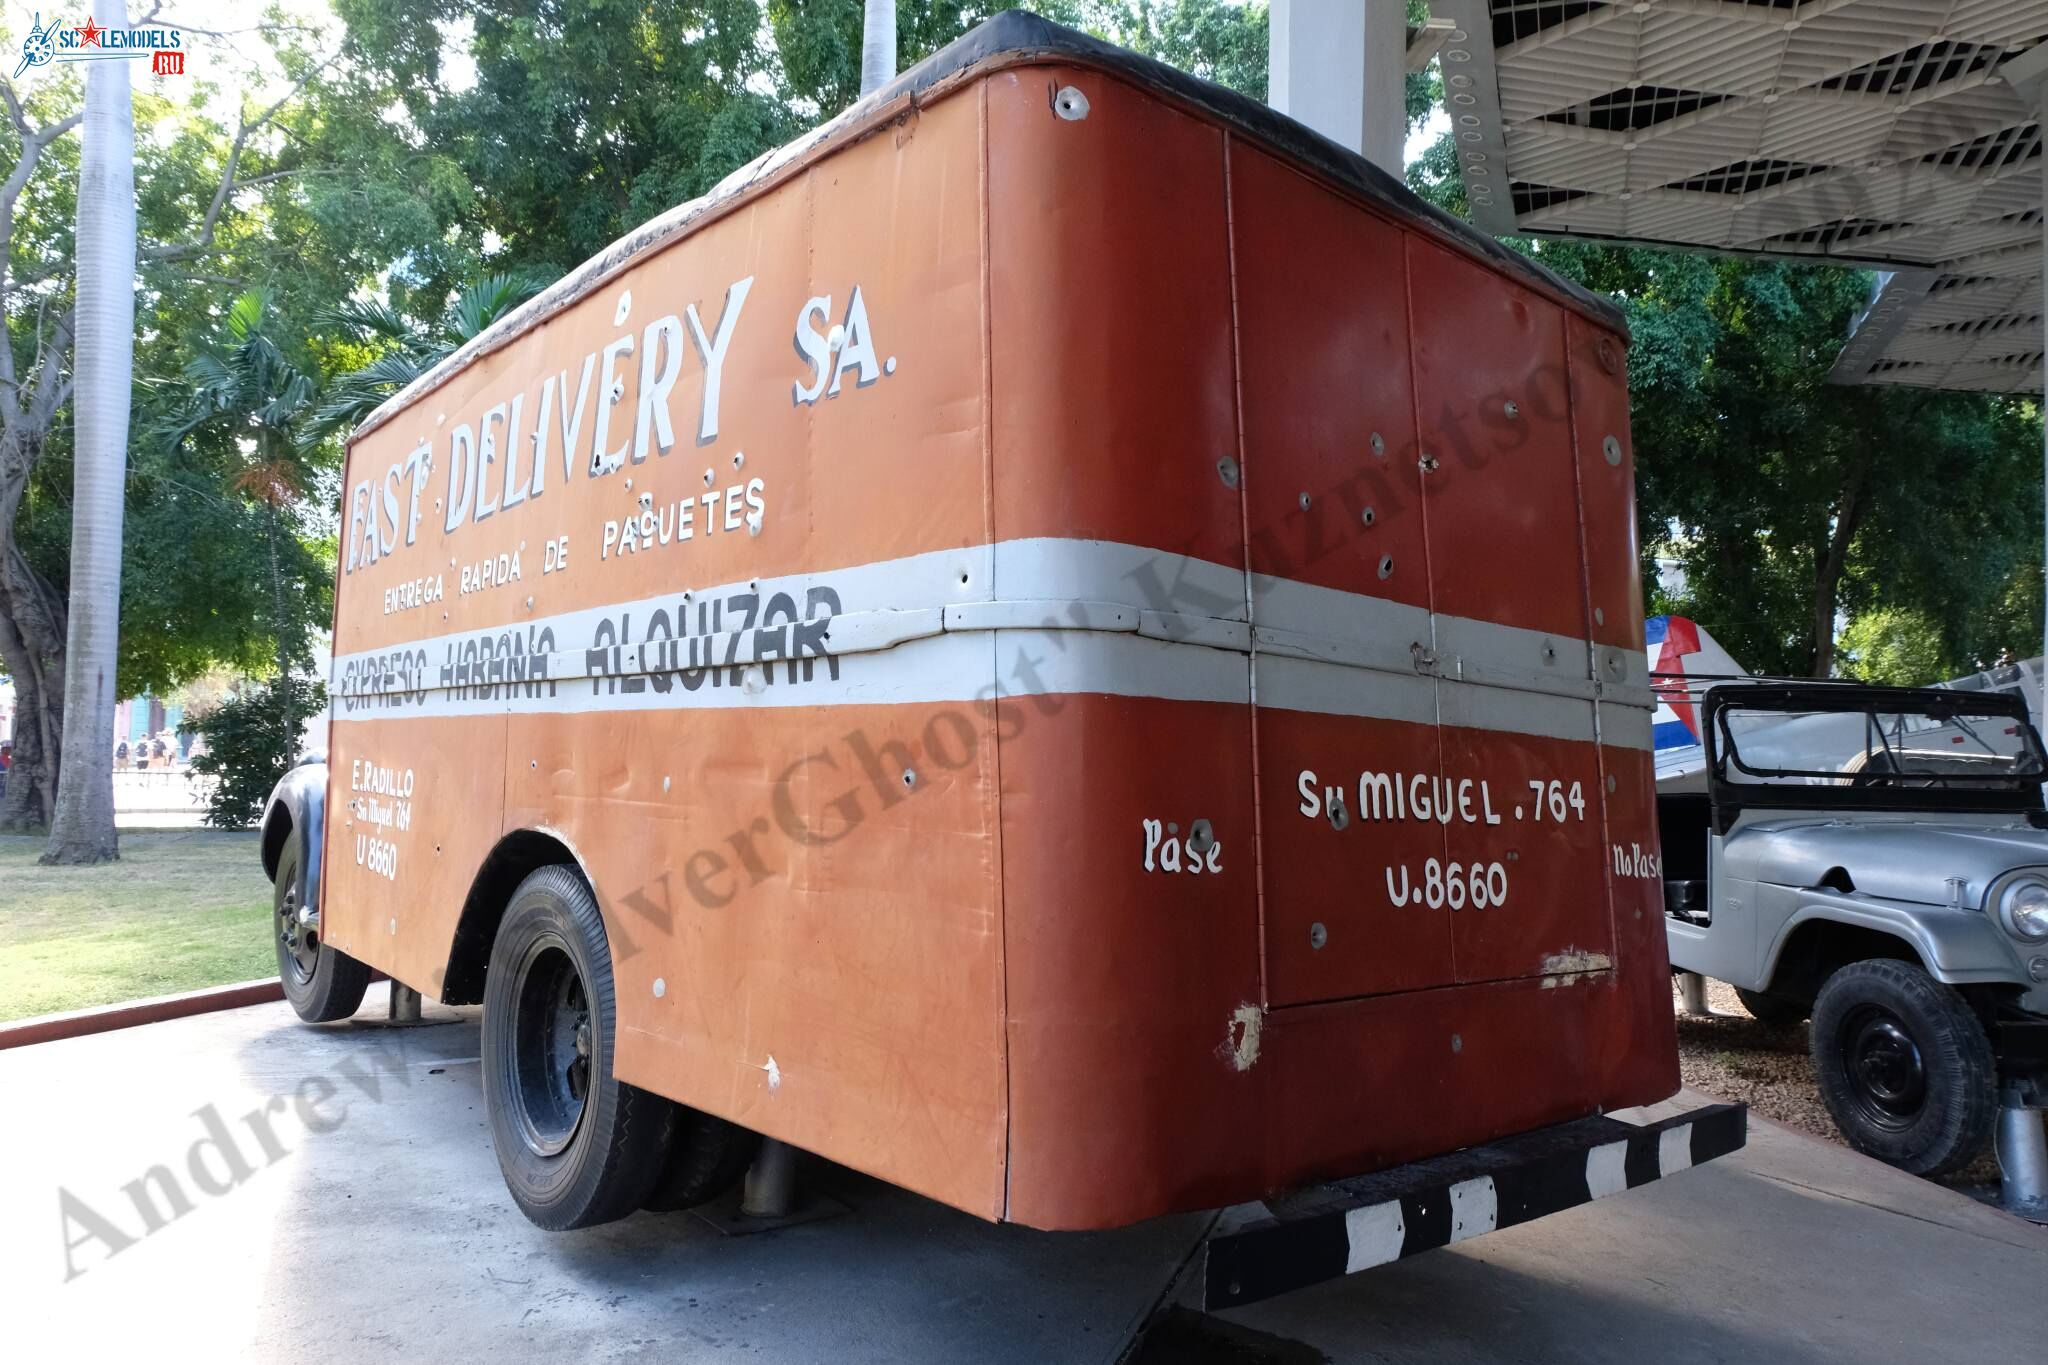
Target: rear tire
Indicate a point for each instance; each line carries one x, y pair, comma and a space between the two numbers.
322, 983
1904, 1067
577, 1146
1771, 1011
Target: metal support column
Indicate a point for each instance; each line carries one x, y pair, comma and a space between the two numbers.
878, 46
1692, 993
1340, 66
2021, 1145
771, 1182
405, 1004
2027, 74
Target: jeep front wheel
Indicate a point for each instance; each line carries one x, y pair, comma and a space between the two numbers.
1904, 1067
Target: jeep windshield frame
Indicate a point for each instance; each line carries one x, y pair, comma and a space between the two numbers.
1991, 760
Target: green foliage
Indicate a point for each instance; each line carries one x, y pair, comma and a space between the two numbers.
1895, 647
252, 740
394, 349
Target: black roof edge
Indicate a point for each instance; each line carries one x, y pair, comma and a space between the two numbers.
1017, 32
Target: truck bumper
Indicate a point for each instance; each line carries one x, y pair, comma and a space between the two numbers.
1345, 1226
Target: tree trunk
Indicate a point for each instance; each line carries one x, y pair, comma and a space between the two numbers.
32, 653
82, 829
1832, 561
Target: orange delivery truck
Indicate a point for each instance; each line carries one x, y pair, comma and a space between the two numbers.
1061, 641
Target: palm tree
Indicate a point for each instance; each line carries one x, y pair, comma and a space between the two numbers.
411, 348
247, 388
82, 827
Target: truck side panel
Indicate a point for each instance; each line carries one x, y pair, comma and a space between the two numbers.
790, 832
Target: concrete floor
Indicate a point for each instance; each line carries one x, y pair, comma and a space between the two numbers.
391, 1233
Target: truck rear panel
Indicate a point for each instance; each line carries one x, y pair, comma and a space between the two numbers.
1088, 646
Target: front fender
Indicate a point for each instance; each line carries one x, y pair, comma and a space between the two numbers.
297, 809
1961, 947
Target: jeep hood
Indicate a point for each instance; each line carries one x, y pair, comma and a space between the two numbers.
1895, 860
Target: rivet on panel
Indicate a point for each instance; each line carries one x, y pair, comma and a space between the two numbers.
1457, 1042
1511, 408
1427, 463
394, 928
1226, 470
1070, 104
1304, 502
660, 988
1611, 783
708, 477
1599, 617
1611, 448
665, 782
1386, 566
1367, 516
739, 457
909, 777
1379, 444
1318, 935
625, 306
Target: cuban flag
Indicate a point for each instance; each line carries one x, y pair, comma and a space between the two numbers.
1679, 652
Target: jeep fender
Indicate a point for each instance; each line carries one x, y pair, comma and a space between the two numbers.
1960, 947
297, 809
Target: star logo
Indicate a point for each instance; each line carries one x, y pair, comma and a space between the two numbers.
89, 36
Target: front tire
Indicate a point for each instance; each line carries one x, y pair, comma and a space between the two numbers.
577, 1146
1904, 1067
322, 983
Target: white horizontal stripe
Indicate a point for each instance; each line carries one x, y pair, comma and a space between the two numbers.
1625, 727
1375, 1235
1068, 616
1326, 689
1523, 713
1312, 621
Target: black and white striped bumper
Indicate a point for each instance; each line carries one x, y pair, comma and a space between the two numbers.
1349, 1225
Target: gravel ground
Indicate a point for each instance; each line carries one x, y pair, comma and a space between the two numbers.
1734, 1057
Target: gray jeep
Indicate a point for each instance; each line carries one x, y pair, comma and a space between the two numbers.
1875, 859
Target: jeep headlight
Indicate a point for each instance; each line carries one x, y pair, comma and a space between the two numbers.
2024, 909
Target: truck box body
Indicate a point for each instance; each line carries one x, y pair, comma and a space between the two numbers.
1088, 645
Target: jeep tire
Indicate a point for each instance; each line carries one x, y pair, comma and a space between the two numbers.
1904, 1067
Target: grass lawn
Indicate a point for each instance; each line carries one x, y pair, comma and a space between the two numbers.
181, 910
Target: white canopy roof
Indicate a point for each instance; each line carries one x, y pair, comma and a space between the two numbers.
1869, 132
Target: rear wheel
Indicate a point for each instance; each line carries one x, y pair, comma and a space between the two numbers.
322, 983
1771, 1011
577, 1146
1904, 1067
